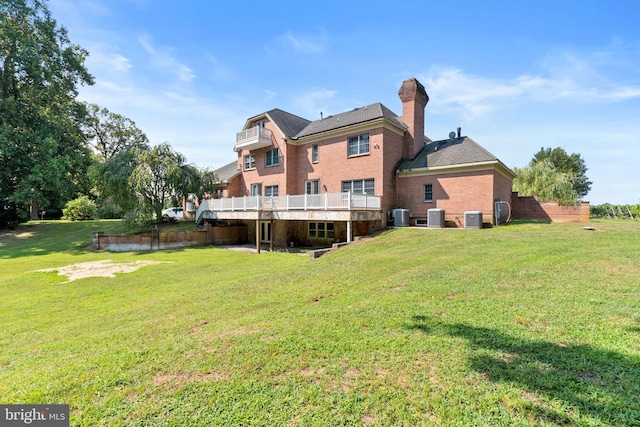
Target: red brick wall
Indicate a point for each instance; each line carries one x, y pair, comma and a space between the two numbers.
528, 207
456, 193
262, 174
334, 166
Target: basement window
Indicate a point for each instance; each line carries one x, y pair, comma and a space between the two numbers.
321, 230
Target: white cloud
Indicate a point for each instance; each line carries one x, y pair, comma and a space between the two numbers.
315, 101
305, 44
475, 96
566, 77
108, 61
163, 58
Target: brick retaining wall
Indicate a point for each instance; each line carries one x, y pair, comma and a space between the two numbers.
528, 207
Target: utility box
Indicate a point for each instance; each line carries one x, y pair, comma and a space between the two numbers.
473, 219
435, 218
401, 217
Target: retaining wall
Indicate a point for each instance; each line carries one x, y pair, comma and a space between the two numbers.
163, 240
528, 207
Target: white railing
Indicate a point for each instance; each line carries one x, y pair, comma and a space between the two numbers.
324, 201
253, 133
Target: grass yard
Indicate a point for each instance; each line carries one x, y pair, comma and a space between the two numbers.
528, 324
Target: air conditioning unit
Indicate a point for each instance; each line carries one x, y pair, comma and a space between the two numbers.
401, 217
435, 218
473, 219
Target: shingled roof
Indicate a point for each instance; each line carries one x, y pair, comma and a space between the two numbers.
448, 152
288, 123
349, 118
226, 172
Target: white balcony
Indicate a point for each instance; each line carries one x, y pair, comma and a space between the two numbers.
253, 138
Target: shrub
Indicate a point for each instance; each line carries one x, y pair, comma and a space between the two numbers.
11, 215
82, 208
137, 220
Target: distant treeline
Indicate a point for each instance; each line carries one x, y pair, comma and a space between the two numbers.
615, 211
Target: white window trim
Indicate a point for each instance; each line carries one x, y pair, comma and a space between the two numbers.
424, 193
276, 158
257, 185
309, 181
252, 161
272, 187
363, 181
359, 153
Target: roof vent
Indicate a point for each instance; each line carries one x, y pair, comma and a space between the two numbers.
459, 131
452, 135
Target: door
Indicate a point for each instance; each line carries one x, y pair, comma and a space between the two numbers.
265, 231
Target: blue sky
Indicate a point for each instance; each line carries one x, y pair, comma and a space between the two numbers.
515, 75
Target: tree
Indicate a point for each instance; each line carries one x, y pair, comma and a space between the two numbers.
571, 164
114, 139
157, 176
111, 186
110, 134
543, 180
43, 157
194, 181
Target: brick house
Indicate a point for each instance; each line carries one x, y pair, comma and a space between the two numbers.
317, 182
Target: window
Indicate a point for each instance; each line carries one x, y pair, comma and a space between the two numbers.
312, 187
271, 191
260, 124
314, 153
358, 145
256, 189
321, 230
428, 193
361, 186
272, 158
249, 161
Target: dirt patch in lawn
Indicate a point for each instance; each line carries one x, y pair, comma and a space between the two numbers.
104, 268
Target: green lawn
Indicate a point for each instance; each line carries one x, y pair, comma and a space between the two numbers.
528, 324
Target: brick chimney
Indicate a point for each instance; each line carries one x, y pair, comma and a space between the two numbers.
414, 99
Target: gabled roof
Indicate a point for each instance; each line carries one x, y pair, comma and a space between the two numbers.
449, 152
227, 172
288, 123
349, 118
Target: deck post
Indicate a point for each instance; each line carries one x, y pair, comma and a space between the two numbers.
349, 231
271, 236
258, 234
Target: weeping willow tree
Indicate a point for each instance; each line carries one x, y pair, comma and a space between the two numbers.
544, 180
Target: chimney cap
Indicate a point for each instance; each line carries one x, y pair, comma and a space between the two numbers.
413, 90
